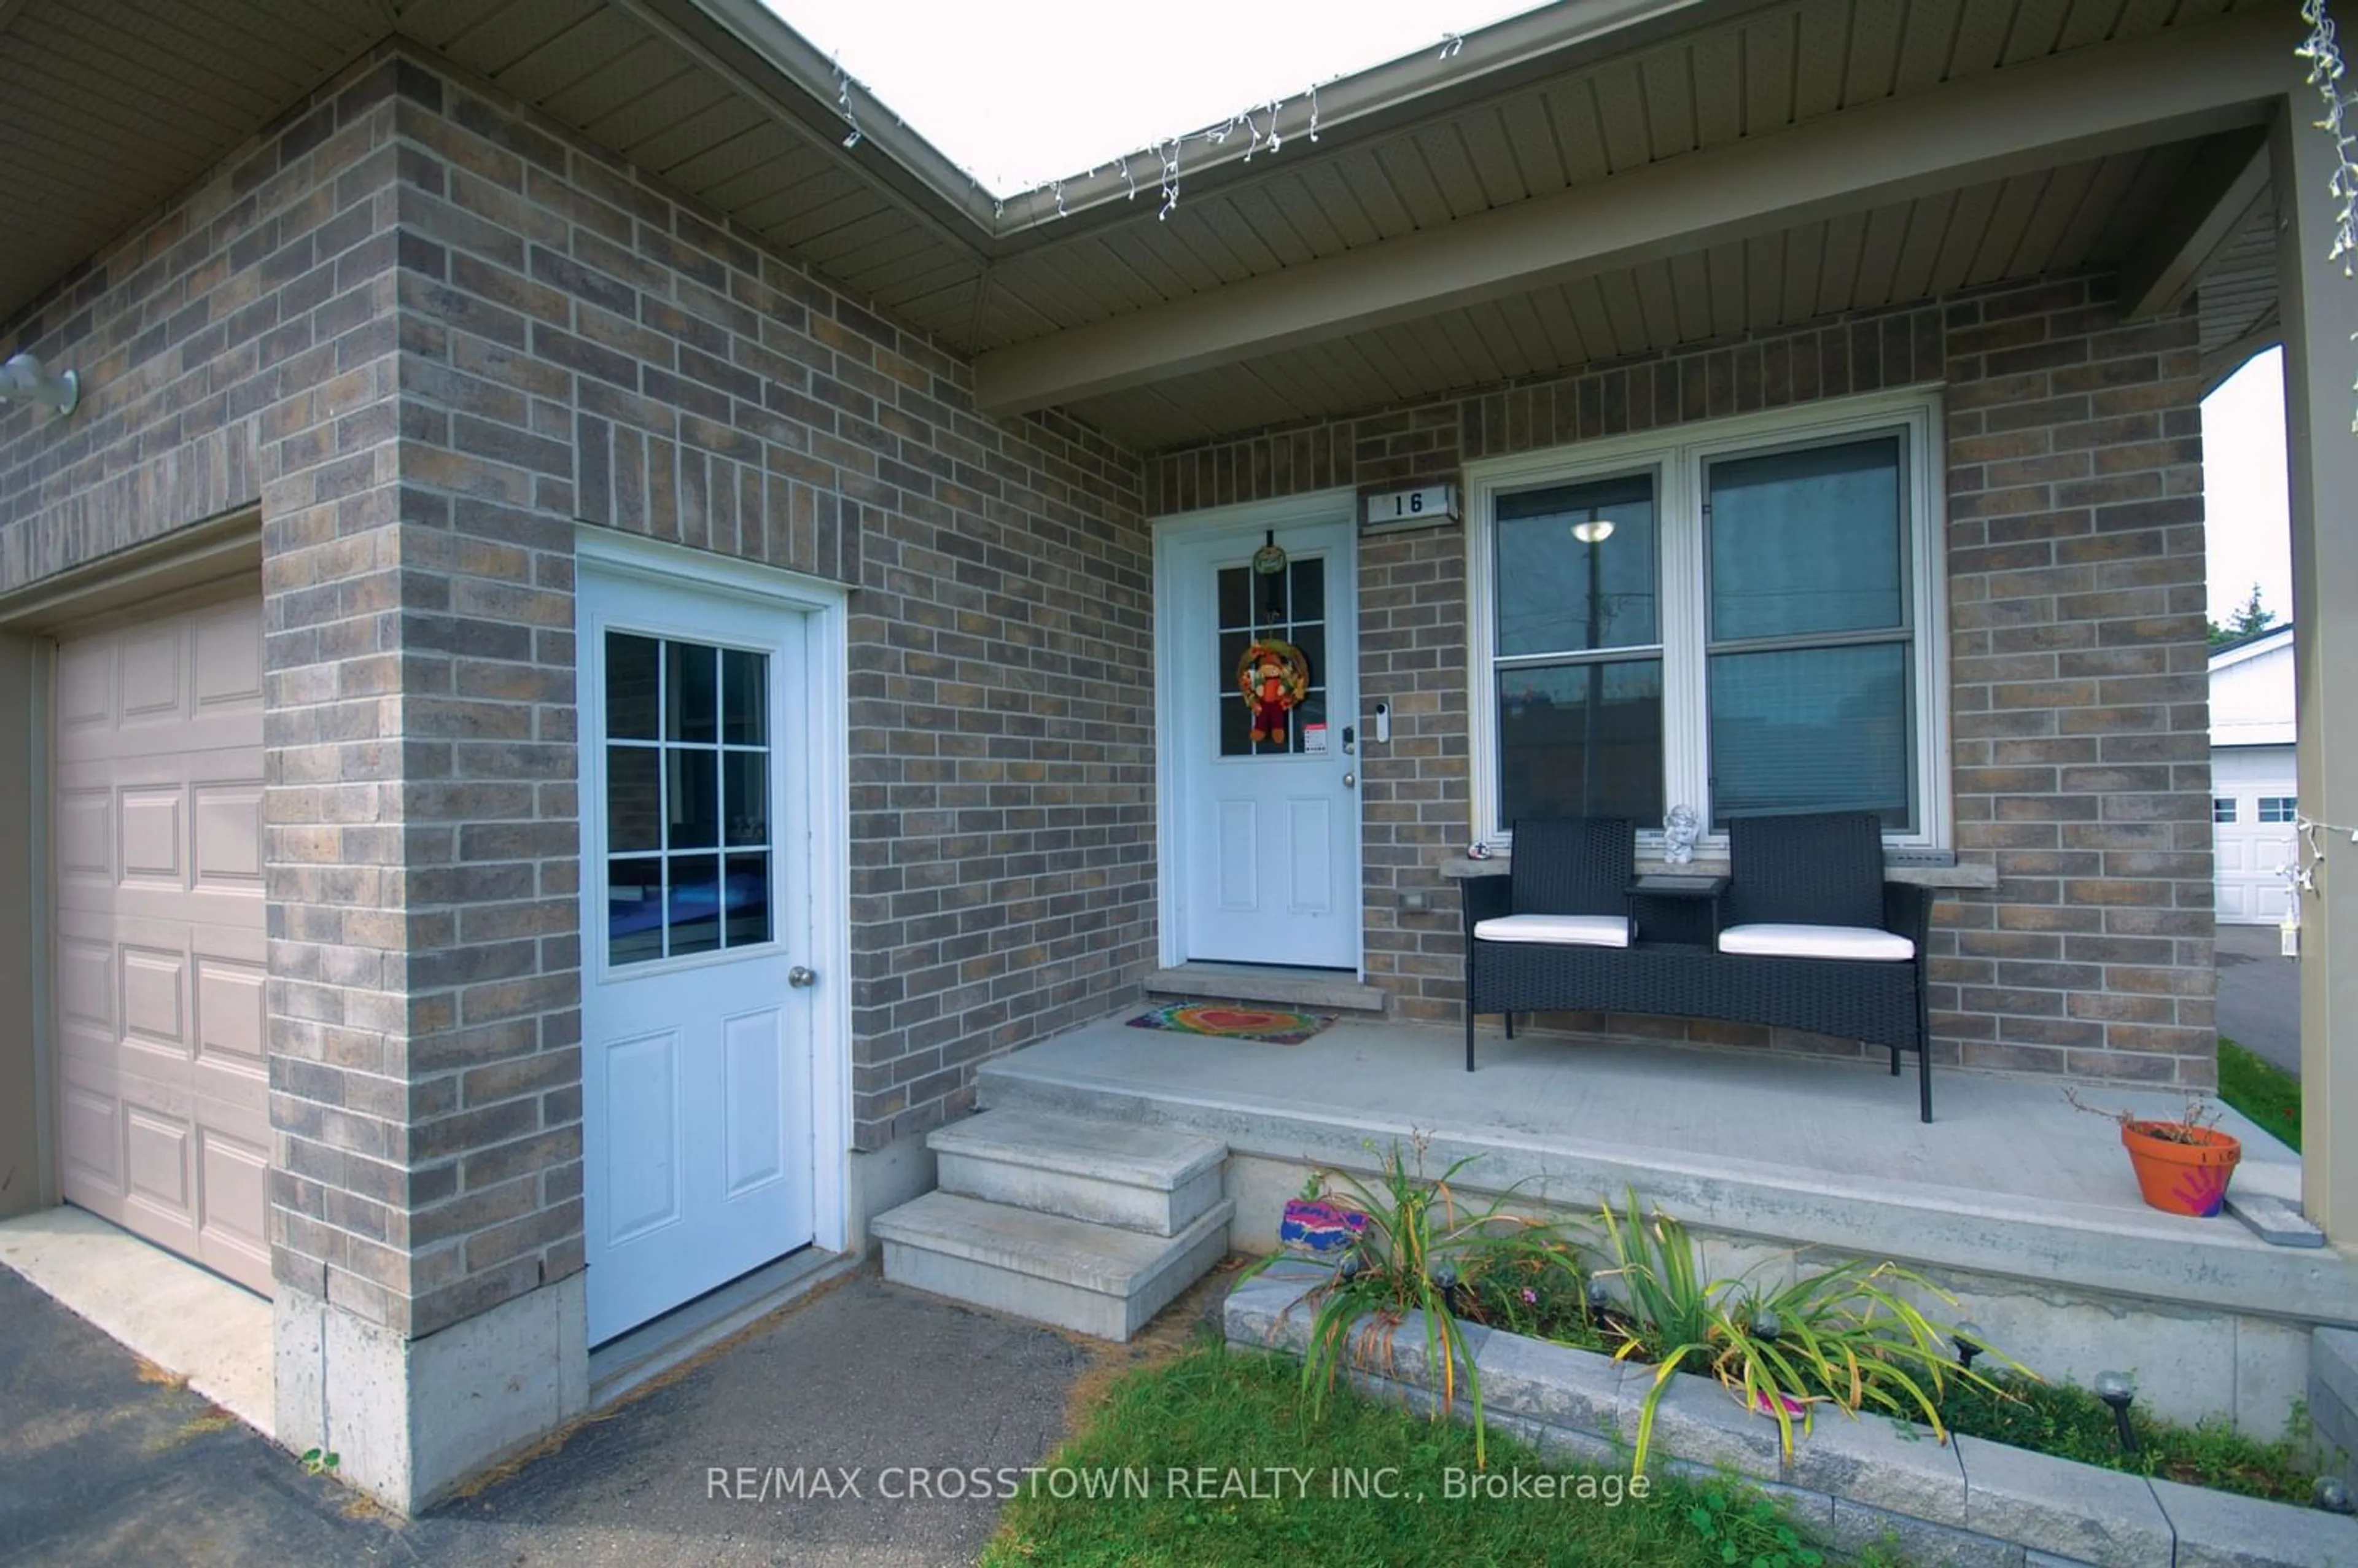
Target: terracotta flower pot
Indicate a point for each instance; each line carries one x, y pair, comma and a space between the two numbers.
2181, 1177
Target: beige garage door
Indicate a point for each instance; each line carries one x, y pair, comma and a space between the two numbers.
163, 1116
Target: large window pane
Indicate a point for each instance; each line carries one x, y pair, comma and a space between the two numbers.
1575, 567
1581, 741
1807, 542
1812, 730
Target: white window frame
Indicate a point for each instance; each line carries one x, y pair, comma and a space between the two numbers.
1677, 458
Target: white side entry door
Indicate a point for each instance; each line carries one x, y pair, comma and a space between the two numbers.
697, 1017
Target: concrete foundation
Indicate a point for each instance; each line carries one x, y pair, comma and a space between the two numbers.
2023, 1210
409, 1420
883, 1180
2334, 1397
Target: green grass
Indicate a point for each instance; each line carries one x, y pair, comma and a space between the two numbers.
2265, 1093
1241, 1414
2072, 1424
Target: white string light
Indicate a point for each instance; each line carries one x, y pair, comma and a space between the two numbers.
2302, 873
1259, 138
2323, 51
843, 105
1170, 179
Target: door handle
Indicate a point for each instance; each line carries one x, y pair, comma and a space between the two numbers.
1350, 781
801, 975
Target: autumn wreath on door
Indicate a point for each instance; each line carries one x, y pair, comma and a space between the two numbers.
1272, 678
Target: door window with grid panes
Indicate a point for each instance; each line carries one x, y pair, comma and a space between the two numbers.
688, 798
1289, 605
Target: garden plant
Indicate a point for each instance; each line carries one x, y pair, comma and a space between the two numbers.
1634, 1286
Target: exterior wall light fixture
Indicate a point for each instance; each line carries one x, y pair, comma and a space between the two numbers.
25, 377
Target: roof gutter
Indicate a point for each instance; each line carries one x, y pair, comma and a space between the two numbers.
795, 58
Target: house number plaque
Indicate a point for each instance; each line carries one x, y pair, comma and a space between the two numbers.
1426, 508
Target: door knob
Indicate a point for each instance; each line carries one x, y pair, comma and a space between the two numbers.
801, 975
1350, 781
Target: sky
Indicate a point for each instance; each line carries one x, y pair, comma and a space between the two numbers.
1079, 82
1023, 91
2248, 517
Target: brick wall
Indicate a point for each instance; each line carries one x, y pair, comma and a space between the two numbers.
238, 353
2078, 658
581, 343
2081, 688
423, 332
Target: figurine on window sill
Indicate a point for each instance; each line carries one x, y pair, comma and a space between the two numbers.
1681, 829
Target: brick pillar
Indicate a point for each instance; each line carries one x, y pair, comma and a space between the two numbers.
423, 865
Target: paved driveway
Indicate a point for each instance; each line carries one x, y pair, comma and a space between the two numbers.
2259, 994
102, 1462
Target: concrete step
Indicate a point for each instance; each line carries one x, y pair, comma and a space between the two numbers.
1326, 990
1139, 1178
1093, 1278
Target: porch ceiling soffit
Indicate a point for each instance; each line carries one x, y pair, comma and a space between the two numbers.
2038, 224
888, 217
2237, 300
101, 120
2205, 214
106, 114
2089, 104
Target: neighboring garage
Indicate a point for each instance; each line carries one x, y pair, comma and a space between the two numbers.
162, 1121
2253, 788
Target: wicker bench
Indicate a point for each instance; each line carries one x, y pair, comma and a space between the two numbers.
1808, 934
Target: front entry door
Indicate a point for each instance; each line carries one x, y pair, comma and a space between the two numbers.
1269, 862
697, 1070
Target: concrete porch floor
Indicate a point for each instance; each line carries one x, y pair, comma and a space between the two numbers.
2010, 1181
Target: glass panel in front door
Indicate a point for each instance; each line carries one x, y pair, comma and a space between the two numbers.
1291, 606
688, 798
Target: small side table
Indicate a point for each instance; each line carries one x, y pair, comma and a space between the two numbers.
1684, 886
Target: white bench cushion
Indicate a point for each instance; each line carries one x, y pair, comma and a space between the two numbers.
1816, 942
1575, 930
